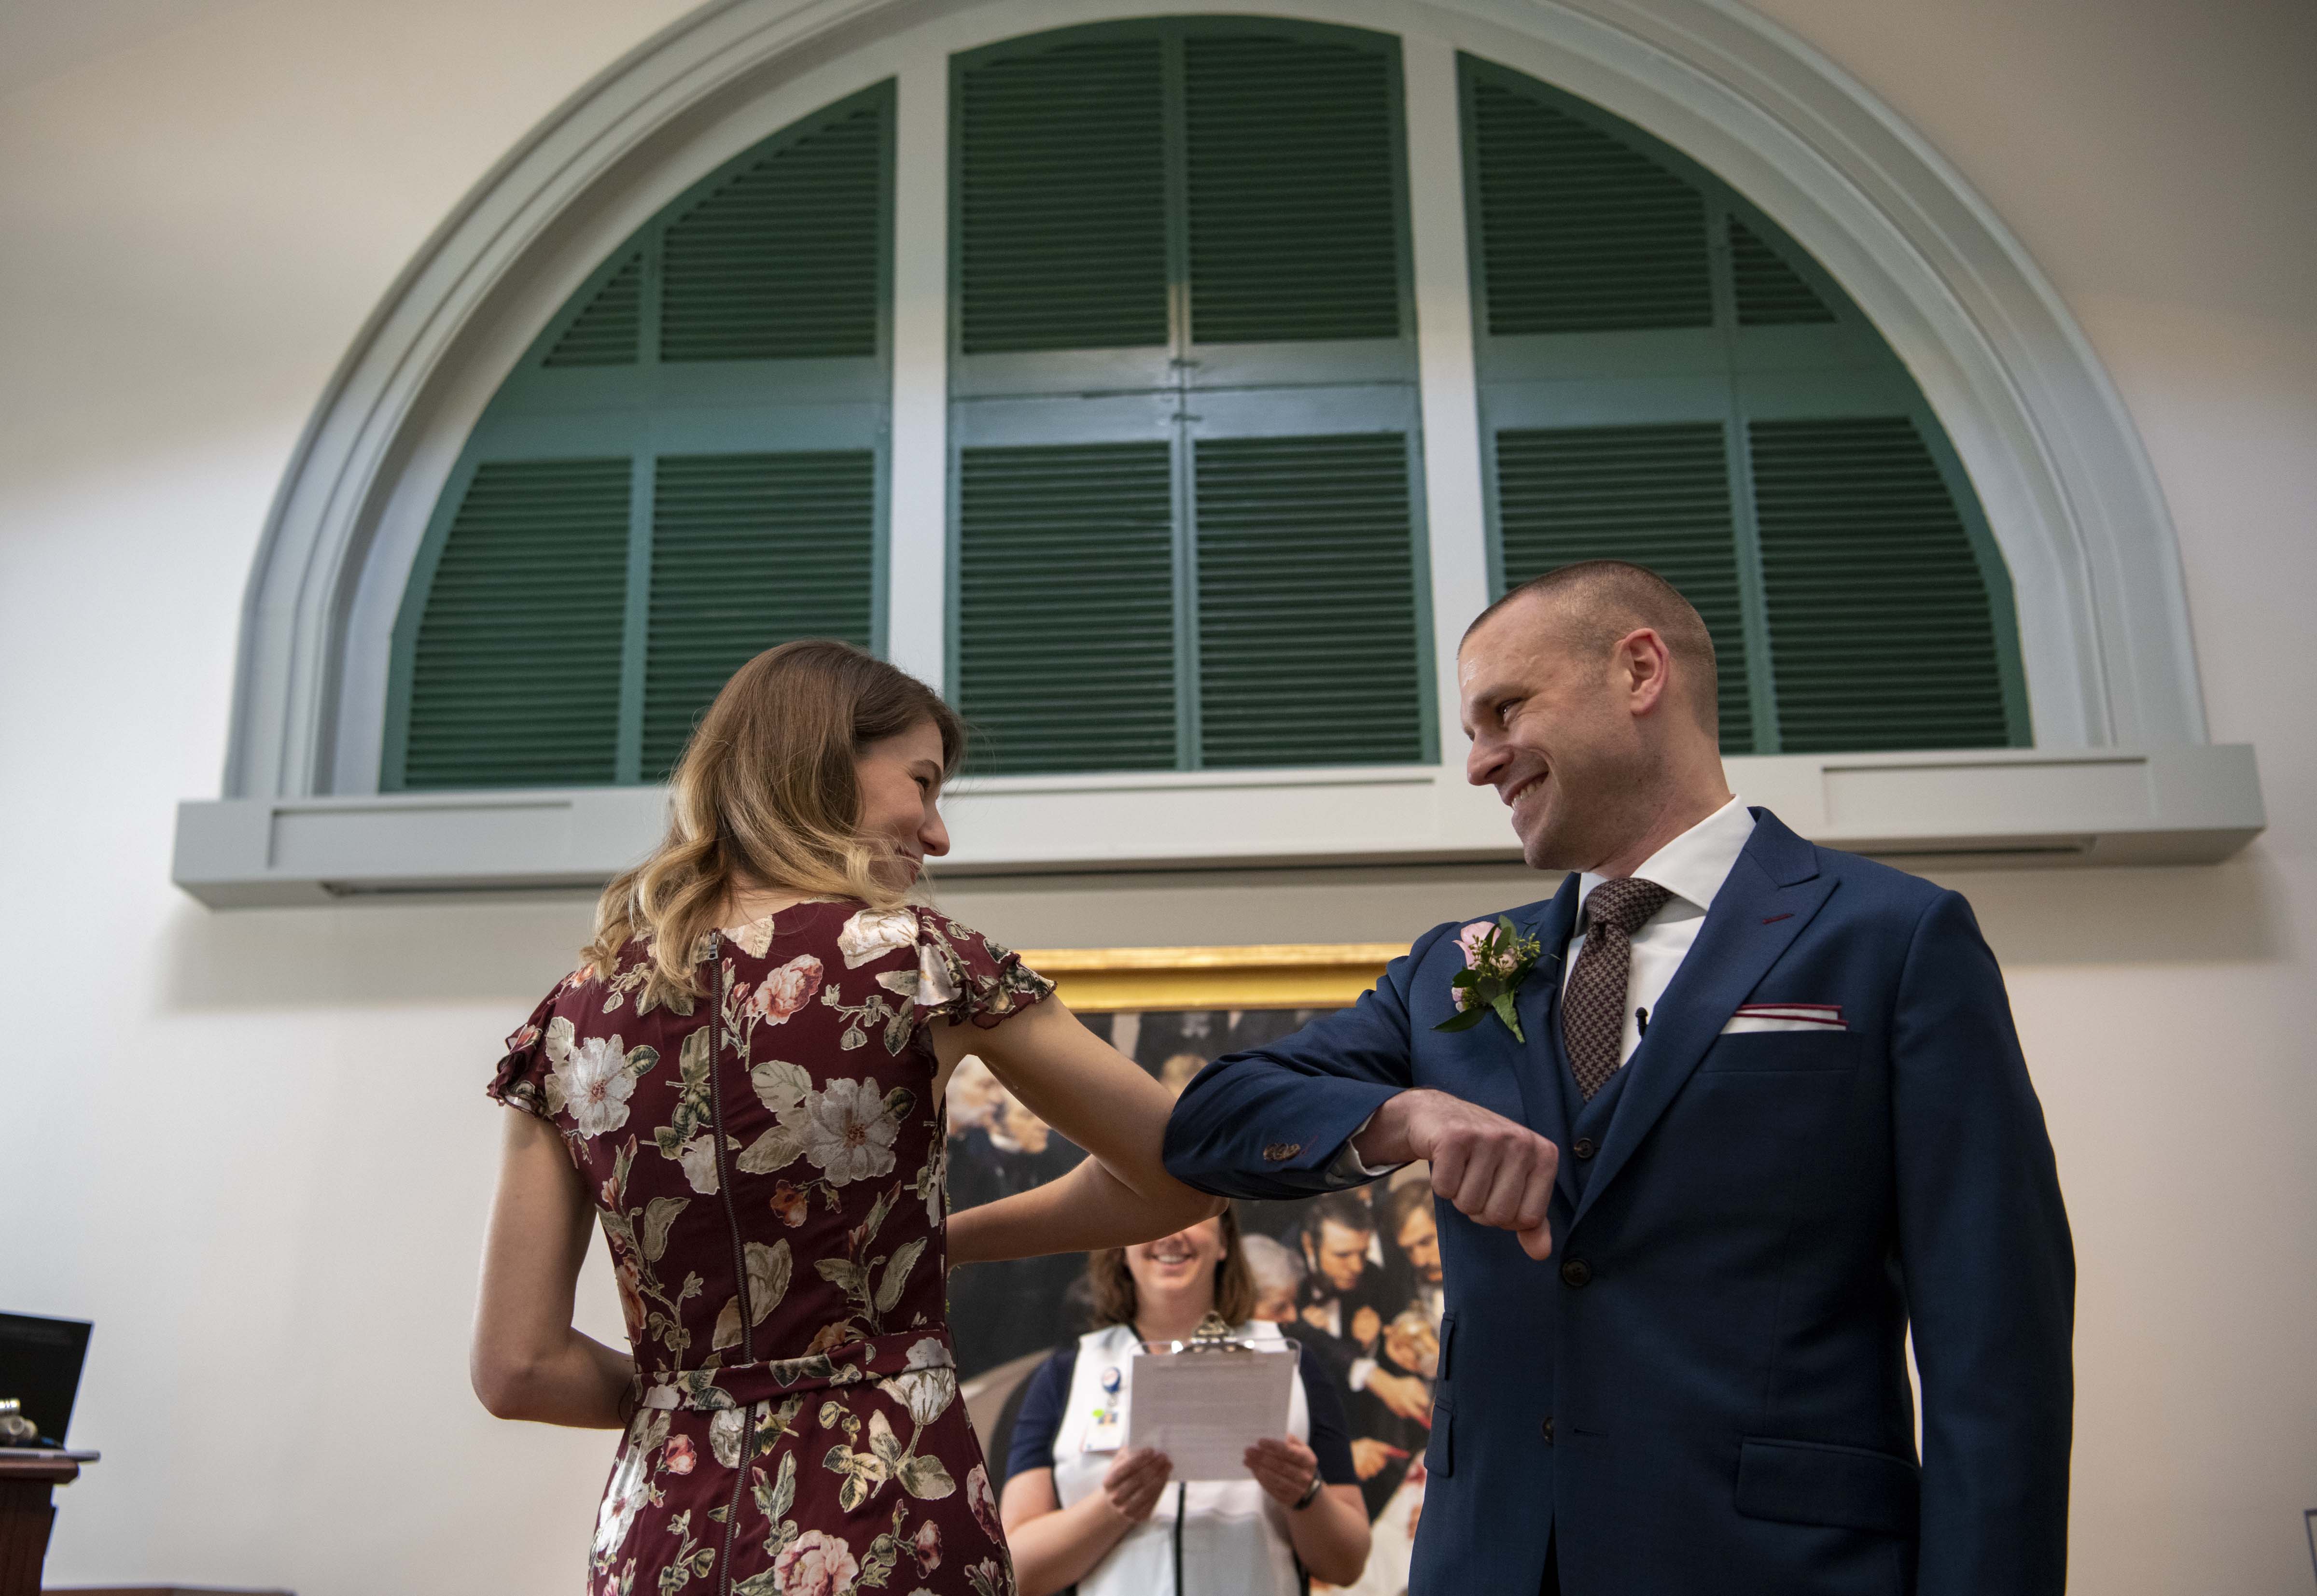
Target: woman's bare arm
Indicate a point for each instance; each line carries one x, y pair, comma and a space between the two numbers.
1085, 1210
527, 1361
1100, 1099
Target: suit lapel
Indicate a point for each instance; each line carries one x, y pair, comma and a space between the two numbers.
1773, 891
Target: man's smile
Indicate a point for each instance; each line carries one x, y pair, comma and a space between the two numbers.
1512, 795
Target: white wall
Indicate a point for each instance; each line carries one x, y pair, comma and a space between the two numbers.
253, 1147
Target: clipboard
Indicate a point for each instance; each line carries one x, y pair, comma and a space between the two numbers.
1204, 1402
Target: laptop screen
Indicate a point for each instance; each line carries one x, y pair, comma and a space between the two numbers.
40, 1366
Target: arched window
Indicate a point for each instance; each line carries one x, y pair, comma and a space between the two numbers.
684, 469
1153, 375
1186, 461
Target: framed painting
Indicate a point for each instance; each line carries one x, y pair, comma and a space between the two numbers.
1355, 1275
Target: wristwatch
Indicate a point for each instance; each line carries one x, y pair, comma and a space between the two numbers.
1311, 1493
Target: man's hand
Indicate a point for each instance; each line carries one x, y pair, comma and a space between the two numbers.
1371, 1457
1492, 1169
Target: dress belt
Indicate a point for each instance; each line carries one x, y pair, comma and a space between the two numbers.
743, 1384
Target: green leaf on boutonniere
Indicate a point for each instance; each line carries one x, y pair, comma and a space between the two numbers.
1504, 1008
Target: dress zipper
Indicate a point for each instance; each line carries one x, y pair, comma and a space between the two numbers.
740, 1256
723, 1166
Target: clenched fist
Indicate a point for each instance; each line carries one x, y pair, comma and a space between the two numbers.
1493, 1171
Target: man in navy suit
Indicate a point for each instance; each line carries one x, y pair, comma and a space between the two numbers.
1765, 1113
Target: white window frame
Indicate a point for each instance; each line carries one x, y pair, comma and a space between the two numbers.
2065, 481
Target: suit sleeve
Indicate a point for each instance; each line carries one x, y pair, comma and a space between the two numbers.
1268, 1122
1989, 1273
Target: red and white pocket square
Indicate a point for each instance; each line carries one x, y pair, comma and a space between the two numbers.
1784, 1016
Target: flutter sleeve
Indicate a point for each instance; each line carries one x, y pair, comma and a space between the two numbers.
520, 1080
962, 976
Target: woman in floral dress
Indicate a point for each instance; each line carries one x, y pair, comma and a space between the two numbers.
756, 1124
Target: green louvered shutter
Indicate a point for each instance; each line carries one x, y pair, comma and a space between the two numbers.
1667, 378
1657, 496
1880, 623
781, 261
748, 551
1307, 612
1169, 232
1061, 189
514, 678
1579, 232
607, 332
730, 353
1066, 607
1293, 208
1769, 291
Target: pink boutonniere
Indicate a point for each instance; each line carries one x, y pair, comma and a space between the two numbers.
1497, 959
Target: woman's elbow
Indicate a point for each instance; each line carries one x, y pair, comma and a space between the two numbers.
1190, 1206
502, 1384
1344, 1564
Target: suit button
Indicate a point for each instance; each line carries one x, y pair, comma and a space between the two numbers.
1548, 1429
1582, 1147
1576, 1271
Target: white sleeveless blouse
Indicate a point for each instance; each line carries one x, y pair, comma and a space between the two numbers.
1234, 1537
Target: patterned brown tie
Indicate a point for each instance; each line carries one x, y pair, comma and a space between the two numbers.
1593, 1009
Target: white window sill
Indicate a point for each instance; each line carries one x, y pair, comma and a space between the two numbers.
2185, 805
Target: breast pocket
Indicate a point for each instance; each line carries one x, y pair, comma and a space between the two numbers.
1782, 1051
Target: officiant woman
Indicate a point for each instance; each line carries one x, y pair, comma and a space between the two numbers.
1079, 1508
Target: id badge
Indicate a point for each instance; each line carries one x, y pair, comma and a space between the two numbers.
1106, 1425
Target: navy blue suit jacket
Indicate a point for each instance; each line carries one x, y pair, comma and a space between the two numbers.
1705, 1389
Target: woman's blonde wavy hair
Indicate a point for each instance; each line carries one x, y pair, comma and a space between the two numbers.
766, 796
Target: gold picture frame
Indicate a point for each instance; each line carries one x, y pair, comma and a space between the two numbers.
1263, 975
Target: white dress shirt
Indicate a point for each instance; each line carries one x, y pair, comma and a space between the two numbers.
1692, 867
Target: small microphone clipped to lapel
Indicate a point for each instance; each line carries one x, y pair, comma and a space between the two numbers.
1774, 918
1642, 1017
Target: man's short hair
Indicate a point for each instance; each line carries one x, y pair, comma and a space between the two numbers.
1401, 1202
1600, 601
1342, 1208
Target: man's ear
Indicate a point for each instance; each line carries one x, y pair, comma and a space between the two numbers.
1644, 665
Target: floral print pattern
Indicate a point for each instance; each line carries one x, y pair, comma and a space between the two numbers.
767, 1157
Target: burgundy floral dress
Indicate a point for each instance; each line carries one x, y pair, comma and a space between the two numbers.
767, 1162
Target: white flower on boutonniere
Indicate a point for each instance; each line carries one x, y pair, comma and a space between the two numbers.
1497, 959
872, 931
